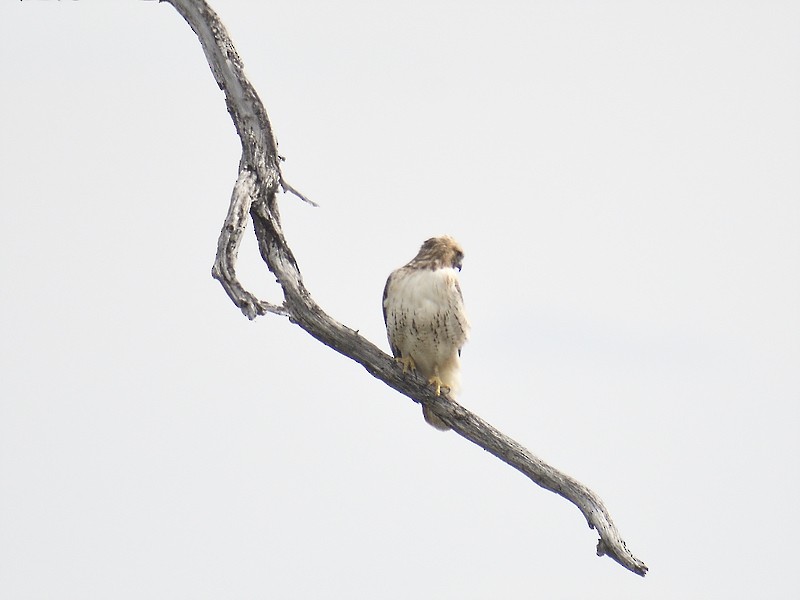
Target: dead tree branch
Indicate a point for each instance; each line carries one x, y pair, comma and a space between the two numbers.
255, 195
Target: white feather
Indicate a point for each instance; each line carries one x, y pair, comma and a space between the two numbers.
425, 320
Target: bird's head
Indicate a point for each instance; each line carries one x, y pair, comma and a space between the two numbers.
440, 253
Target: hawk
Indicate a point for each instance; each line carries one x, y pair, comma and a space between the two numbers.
424, 314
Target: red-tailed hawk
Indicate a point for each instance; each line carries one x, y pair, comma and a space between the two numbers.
424, 315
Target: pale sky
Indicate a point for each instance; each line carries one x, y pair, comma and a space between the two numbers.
625, 180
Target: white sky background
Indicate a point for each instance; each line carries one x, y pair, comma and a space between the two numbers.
624, 177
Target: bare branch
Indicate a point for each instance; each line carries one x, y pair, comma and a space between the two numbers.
291, 190
255, 193
230, 237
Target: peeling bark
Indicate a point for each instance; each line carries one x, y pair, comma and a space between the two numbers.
255, 196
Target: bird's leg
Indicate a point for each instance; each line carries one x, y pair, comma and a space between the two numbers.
407, 362
435, 380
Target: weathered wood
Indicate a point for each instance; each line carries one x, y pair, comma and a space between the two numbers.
255, 195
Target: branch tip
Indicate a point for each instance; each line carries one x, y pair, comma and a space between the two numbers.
288, 188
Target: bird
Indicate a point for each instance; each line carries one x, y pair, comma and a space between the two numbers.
426, 324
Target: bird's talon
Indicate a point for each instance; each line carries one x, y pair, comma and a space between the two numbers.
407, 362
438, 383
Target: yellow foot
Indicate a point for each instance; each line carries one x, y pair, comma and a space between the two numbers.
439, 384
407, 362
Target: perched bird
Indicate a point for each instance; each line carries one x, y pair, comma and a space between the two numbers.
425, 320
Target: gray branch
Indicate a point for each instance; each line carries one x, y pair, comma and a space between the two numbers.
255, 196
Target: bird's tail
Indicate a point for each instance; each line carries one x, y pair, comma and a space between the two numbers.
433, 420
